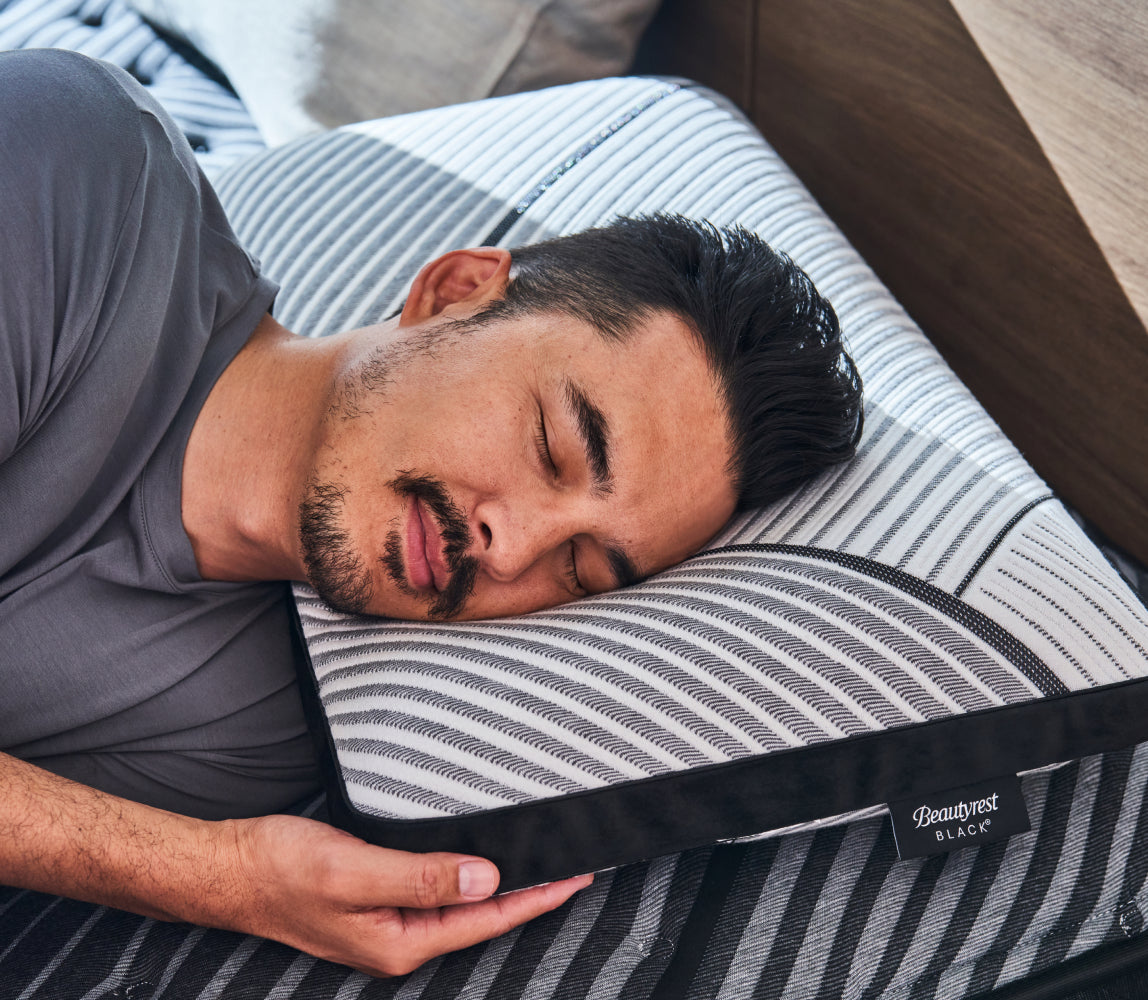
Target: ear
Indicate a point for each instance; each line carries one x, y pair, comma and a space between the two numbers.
463, 278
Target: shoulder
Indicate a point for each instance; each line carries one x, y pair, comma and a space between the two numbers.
55, 99
97, 188
71, 148
87, 119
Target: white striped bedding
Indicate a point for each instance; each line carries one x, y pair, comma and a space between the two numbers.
214, 120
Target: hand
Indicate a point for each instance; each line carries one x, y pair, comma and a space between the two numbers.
380, 911
284, 877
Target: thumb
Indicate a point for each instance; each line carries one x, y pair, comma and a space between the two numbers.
397, 878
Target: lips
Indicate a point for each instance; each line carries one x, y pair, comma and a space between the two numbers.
425, 562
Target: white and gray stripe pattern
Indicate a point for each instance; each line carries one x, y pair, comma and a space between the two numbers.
216, 123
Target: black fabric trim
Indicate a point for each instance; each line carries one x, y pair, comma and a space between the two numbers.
1000, 537
604, 828
1011, 648
520, 208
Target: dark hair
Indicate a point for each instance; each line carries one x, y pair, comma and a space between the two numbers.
792, 393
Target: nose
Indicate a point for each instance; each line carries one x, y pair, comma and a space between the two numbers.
513, 534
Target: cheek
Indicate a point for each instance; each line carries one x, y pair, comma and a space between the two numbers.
477, 454
491, 438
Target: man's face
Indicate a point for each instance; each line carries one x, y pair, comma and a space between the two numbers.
512, 466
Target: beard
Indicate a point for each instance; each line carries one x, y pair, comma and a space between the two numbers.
339, 574
334, 569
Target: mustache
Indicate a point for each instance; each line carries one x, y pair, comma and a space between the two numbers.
457, 540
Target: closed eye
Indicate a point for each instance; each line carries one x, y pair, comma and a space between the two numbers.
542, 444
572, 580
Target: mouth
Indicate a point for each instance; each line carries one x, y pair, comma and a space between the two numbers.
426, 564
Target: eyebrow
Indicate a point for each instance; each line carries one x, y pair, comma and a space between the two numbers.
594, 433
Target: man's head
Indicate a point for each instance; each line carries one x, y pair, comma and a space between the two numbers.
570, 418
792, 394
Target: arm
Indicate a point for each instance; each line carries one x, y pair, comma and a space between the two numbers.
284, 877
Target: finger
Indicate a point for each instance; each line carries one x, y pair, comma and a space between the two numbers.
394, 942
377, 876
434, 933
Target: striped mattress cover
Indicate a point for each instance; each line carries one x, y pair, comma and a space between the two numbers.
821, 914
926, 617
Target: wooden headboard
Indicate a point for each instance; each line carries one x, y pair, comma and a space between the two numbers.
894, 116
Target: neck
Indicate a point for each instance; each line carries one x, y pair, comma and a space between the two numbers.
249, 452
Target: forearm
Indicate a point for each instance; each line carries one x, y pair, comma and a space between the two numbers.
62, 837
285, 877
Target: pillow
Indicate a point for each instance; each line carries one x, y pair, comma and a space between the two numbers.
924, 618
306, 65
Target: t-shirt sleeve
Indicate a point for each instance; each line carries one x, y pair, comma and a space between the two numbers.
70, 161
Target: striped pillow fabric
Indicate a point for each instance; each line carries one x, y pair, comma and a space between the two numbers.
216, 123
926, 617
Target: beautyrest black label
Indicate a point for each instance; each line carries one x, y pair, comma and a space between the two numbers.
961, 817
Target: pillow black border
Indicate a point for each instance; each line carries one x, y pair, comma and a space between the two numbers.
608, 827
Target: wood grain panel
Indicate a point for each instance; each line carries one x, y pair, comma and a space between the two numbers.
891, 115
1077, 70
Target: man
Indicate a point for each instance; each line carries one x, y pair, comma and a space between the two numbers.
536, 425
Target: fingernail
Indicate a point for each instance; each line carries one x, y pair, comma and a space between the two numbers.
476, 879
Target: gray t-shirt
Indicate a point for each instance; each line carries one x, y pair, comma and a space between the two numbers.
123, 295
